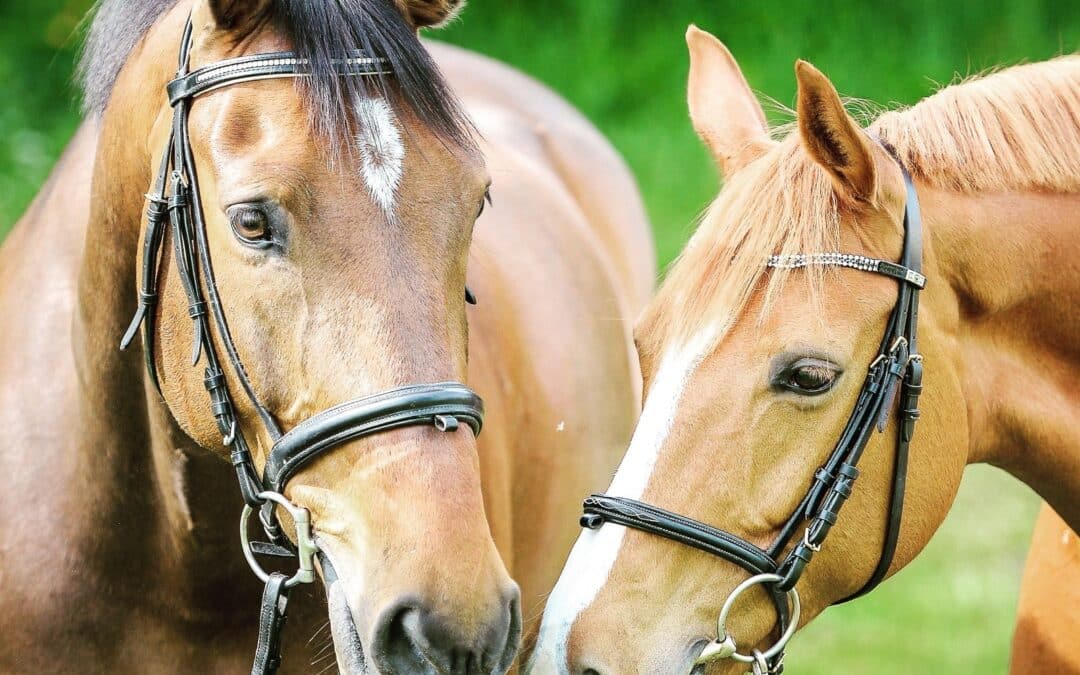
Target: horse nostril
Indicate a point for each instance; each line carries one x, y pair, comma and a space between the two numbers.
410, 639
394, 647
510, 634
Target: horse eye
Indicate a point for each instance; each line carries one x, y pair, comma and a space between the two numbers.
484, 202
250, 224
809, 377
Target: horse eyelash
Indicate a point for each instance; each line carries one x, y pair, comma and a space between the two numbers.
486, 201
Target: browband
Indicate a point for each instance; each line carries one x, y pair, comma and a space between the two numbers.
263, 67
857, 262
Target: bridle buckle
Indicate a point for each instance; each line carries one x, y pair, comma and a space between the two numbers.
899, 342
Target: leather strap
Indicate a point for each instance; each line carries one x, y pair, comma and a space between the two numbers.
272, 615
267, 66
441, 405
407, 406
910, 389
903, 273
600, 509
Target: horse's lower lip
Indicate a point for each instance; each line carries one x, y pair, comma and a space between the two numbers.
348, 648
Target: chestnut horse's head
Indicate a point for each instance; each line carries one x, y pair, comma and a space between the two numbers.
751, 375
338, 215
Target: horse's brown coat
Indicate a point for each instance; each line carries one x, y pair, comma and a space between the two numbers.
1047, 623
119, 551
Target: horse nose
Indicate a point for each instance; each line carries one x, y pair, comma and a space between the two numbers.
412, 638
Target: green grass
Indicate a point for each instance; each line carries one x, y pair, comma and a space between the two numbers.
623, 62
38, 114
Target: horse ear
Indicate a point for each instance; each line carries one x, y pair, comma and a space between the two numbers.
832, 137
724, 111
436, 13
238, 14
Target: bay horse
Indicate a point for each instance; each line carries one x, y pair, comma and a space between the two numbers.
767, 377
338, 212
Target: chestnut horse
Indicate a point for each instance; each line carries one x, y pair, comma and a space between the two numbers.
751, 372
340, 220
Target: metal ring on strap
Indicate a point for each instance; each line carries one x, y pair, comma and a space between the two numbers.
724, 647
306, 548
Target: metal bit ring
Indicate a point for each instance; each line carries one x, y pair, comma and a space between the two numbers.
724, 647
306, 548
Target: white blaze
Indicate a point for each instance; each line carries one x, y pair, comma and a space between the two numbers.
381, 150
594, 554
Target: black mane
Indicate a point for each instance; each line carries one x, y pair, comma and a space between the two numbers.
320, 30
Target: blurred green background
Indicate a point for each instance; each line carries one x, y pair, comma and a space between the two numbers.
623, 62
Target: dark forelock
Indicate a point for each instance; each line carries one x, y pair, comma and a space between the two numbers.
319, 30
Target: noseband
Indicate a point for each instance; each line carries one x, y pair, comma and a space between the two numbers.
175, 203
898, 365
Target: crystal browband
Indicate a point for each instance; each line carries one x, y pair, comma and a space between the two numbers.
856, 262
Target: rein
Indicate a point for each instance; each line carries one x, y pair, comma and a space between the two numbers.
897, 367
175, 204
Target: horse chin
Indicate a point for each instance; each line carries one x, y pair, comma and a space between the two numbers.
348, 648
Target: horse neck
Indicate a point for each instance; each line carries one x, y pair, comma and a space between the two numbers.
1009, 258
166, 500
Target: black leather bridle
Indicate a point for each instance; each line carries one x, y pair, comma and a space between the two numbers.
175, 204
898, 365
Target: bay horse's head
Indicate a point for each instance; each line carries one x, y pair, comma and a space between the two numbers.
751, 374
339, 212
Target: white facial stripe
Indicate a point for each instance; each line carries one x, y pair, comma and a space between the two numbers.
381, 150
595, 551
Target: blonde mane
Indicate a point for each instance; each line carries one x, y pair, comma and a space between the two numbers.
1017, 129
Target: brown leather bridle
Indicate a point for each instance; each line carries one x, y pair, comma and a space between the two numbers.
898, 366
175, 204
